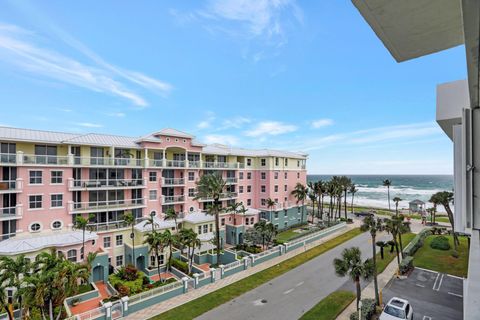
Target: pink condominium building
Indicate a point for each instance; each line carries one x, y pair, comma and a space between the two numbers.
47, 179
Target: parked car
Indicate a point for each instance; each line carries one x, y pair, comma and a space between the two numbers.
363, 214
396, 309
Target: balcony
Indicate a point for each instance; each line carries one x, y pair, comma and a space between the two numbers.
220, 165
110, 205
10, 213
105, 184
175, 163
45, 160
107, 162
172, 182
11, 186
223, 197
231, 180
173, 199
107, 226
8, 158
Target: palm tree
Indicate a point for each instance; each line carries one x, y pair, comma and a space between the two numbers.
300, 193
155, 242
192, 241
242, 210
387, 183
353, 190
13, 272
4, 302
151, 221
373, 226
266, 231
82, 223
351, 264
445, 198
381, 245
170, 214
130, 222
168, 240
396, 200
312, 195
235, 208
396, 227
211, 186
331, 189
319, 187
345, 183
270, 204
436, 201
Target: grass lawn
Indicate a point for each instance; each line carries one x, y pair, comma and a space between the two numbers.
387, 256
286, 235
330, 307
442, 261
197, 307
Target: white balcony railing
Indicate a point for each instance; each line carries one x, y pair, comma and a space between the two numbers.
224, 196
220, 165
173, 181
108, 161
9, 213
173, 199
98, 206
8, 158
175, 163
11, 186
106, 184
231, 180
194, 164
45, 159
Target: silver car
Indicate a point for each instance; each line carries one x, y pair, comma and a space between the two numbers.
396, 309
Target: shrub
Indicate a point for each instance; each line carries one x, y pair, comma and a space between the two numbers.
455, 254
368, 310
349, 220
128, 280
180, 265
406, 264
416, 242
440, 243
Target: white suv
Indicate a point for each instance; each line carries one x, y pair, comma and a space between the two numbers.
396, 309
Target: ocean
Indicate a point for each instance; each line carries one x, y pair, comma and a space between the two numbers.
371, 191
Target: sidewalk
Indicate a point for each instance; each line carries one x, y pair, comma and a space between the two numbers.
194, 294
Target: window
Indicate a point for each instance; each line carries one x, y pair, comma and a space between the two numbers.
167, 139
191, 192
298, 175
285, 224
285, 187
263, 202
249, 162
275, 188
35, 202
35, 227
119, 240
247, 221
252, 219
205, 226
249, 202
285, 213
56, 200
263, 188
153, 261
106, 242
249, 188
263, 175
298, 163
275, 214
119, 261
277, 161
275, 175
35, 177
263, 162
222, 222
286, 162
57, 177
240, 189
152, 195
199, 229
191, 176
286, 175
72, 255
211, 227
152, 176
56, 224
240, 175
249, 175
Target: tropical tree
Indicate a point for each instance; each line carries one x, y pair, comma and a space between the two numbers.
434, 199
270, 204
13, 270
345, 183
300, 193
445, 198
313, 197
130, 222
235, 208
266, 230
4, 302
373, 226
211, 186
387, 183
396, 227
192, 241
351, 265
168, 240
353, 190
154, 240
331, 190
82, 223
397, 201
151, 221
320, 192
381, 245
170, 214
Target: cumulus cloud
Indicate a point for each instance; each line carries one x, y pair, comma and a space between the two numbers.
316, 124
272, 128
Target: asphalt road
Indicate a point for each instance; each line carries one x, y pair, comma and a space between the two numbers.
295, 292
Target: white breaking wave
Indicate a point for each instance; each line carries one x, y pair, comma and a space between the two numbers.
398, 190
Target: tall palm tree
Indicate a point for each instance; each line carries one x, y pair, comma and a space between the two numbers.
434, 199
353, 190
13, 270
351, 265
313, 197
300, 193
345, 183
319, 191
4, 302
212, 186
243, 211
130, 222
234, 208
381, 245
395, 227
82, 223
387, 183
170, 214
266, 230
168, 240
396, 200
373, 226
155, 241
192, 241
445, 198
270, 204
151, 221
331, 190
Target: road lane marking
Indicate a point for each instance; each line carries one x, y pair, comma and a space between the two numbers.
420, 285
455, 277
299, 284
426, 270
435, 283
440, 283
288, 291
455, 294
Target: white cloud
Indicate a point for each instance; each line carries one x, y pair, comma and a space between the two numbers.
221, 139
235, 122
18, 47
207, 122
270, 128
316, 124
67, 110
88, 125
116, 114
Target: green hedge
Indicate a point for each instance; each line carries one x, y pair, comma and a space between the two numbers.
440, 243
180, 265
134, 286
406, 264
417, 242
368, 310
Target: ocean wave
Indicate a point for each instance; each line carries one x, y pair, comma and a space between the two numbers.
398, 190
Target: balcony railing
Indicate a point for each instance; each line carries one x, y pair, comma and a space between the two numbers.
231, 180
9, 213
8, 158
173, 182
106, 184
223, 196
194, 164
220, 165
173, 199
175, 163
107, 226
45, 159
10, 186
109, 205
107, 161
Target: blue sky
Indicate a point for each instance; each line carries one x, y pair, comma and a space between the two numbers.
285, 74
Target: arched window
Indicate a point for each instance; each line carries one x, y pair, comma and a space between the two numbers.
72, 255
35, 227
57, 224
